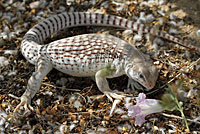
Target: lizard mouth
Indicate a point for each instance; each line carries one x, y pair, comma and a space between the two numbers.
149, 86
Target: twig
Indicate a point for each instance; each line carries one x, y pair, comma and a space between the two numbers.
13, 96
78, 113
75, 90
178, 117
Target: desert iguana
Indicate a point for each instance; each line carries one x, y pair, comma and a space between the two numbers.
99, 55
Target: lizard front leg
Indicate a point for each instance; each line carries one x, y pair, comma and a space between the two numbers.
42, 69
103, 86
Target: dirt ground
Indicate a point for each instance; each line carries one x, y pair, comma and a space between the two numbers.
66, 104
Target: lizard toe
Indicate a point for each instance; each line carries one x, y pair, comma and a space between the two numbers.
25, 103
117, 95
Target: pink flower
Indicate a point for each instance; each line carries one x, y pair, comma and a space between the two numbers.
143, 108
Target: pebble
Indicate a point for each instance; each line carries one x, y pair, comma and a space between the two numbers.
3, 61
127, 102
77, 104
1, 77
2, 129
72, 98
101, 130
142, 18
63, 128
2, 42
105, 4
60, 98
12, 73
162, 130
127, 32
19, 5
198, 33
171, 131
143, 3
38, 102
172, 31
72, 126
197, 67
91, 131
172, 16
138, 44
69, 2
120, 7
173, 23
148, 125
119, 111
48, 93
61, 9
155, 128
157, 42
93, 2
161, 2
123, 127
11, 52
22, 132
4, 35
180, 23
3, 116
149, 18
155, 46
137, 37
35, 4
6, 29
12, 35
125, 116
188, 54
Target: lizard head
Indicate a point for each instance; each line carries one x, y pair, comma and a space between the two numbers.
142, 71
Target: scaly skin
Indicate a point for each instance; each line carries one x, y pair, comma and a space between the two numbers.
99, 55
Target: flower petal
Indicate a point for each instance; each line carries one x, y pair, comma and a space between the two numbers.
139, 120
141, 98
133, 111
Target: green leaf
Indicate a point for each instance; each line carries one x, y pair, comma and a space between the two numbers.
168, 102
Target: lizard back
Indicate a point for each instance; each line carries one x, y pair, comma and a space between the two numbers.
84, 55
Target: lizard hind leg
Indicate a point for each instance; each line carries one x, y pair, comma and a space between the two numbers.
43, 67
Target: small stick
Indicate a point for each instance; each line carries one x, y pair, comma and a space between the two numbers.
178, 117
75, 90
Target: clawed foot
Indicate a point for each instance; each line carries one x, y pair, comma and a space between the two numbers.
25, 102
133, 84
115, 95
